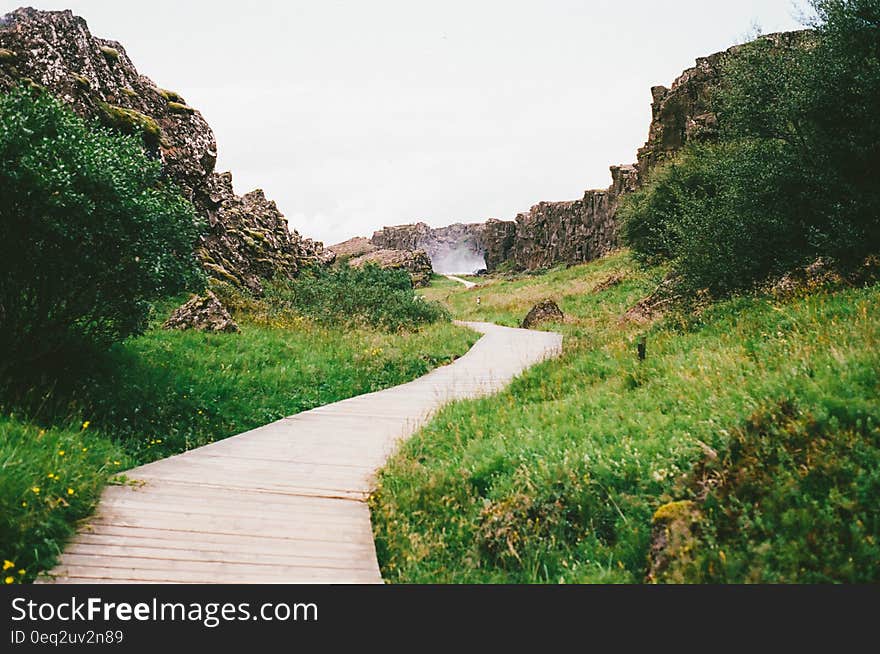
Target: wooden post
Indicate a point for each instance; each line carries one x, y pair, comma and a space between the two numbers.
643, 347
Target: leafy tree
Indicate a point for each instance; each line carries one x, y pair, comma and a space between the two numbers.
91, 231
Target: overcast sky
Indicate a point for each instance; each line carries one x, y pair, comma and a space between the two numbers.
354, 115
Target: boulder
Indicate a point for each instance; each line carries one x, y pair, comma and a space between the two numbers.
202, 312
544, 311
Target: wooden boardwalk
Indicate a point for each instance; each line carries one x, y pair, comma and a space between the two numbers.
284, 503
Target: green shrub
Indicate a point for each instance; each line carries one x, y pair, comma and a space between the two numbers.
92, 233
367, 296
717, 212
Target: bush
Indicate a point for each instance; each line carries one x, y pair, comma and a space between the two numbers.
92, 233
368, 296
793, 176
717, 212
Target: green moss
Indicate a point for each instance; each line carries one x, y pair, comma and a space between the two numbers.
255, 234
171, 96
179, 108
130, 93
132, 122
112, 54
221, 273
6, 55
673, 511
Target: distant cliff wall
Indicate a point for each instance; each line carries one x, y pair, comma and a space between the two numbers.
581, 230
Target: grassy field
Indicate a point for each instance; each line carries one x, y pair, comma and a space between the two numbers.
169, 391
746, 447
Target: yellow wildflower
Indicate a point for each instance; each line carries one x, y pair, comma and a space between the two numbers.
22, 571
85, 449
60, 452
86, 424
36, 490
24, 503
10, 580
8, 564
70, 491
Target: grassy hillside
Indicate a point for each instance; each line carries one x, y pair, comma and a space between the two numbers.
169, 391
746, 447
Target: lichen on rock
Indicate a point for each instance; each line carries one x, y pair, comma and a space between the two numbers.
204, 313
545, 311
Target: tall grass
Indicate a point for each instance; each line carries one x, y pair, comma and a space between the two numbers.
169, 391
558, 478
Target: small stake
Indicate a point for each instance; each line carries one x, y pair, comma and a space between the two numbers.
643, 347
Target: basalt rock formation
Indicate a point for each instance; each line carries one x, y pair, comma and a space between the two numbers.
248, 240
577, 231
684, 112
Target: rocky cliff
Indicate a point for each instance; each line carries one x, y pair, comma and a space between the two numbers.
581, 230
684, 112
248, 240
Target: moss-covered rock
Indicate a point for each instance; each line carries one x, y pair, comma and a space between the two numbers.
673, 540
132, 122
82, 81
179, 108
111, 54
6, 55
171, 96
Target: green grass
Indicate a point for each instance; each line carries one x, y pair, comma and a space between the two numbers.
169, 391
763, 413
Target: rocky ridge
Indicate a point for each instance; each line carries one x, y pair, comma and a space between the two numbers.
248, 239
581, 230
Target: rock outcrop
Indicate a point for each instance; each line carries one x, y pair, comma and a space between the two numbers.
570, 232
581, 230
457, 248
684, 112
204, 313
544, 311
415, 262
248, 239
353, 247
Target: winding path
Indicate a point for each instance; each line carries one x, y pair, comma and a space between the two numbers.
458, 279
284, 503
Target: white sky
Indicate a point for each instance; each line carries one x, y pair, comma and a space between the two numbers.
354, 115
